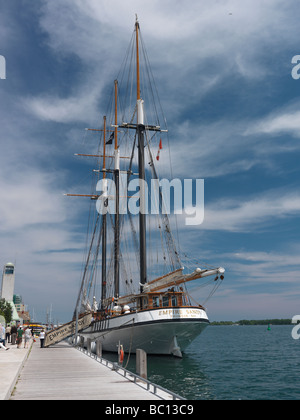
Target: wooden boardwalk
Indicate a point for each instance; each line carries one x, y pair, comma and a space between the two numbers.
61, 372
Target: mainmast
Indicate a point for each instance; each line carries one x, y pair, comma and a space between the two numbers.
141, 163
117, 215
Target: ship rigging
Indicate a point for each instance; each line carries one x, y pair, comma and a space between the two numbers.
142, 299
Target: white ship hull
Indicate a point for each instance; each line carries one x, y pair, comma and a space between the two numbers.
158, 331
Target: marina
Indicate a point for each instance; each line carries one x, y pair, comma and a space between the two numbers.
256, 368
150, 203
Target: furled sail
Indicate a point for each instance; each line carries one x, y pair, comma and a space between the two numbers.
175, 278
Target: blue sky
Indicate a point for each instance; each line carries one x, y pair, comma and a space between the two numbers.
223, 70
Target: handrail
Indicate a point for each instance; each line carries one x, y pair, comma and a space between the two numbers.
138, 380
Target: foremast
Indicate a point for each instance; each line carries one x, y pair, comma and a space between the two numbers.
117, 201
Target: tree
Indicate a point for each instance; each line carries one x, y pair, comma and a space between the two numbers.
6, 310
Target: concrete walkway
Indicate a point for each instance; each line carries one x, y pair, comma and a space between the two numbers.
11, 363
62, 372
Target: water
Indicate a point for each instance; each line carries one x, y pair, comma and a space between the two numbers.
232, 363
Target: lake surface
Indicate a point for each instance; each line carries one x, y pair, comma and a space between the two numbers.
231, 363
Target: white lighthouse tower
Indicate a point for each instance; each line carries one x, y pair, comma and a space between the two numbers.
8, 286
8, 282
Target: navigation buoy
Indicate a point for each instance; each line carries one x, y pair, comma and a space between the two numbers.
269, 327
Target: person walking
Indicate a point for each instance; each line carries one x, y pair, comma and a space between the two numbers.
3, 347
42, 338
2, 334
19, 337
2, 338
7, 333
13, 334
27, 337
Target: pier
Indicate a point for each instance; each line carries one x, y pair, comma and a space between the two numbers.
63, 372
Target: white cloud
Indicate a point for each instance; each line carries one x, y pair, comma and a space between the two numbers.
181, 35
28, 199
37, 223
284, 121
274, 259
183, 22
257, 285
80, 108
215, 149
250, 214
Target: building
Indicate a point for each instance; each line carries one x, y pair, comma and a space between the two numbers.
21, 308
8, 282
18, 301
7, 288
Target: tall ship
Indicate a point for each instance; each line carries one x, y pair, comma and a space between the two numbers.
134, 280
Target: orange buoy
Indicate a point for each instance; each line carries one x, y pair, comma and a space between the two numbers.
121, 355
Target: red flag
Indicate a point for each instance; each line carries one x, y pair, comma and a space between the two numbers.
159, 149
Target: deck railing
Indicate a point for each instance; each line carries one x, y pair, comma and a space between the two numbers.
155, 389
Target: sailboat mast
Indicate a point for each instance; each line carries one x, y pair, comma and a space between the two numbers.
141, 163
117, 216
104, 223
138, 83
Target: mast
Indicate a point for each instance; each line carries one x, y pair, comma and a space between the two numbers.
117, 216
141, 163
104, 223
138, 85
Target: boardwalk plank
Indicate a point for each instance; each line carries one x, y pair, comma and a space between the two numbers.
62, 372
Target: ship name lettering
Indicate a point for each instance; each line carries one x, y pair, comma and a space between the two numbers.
186, 313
